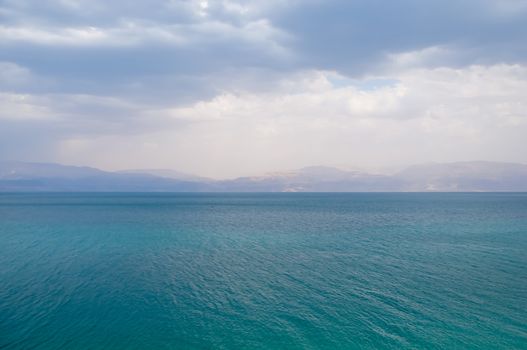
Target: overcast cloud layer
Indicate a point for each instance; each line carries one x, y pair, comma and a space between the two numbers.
230, 88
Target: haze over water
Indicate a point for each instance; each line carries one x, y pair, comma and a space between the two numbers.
263, 271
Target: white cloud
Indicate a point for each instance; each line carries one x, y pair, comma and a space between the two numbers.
431, 114
418, 58
133, 32
15, 106
128, 34
12, 75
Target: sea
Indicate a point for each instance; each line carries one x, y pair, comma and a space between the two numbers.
263, 271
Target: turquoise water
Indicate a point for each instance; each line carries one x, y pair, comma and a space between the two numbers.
263, 271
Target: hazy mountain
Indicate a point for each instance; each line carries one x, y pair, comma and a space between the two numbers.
313, 179
22, 176
24, 170
452, 177
465, 176
462, 176
167, 173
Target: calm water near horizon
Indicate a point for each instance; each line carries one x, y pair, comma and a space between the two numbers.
263, 271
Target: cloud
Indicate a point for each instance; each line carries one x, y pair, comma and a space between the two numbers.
237, 87
442, 114
13, 75
23, 107
355, 37
91, 47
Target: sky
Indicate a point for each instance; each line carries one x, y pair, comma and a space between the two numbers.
232, 88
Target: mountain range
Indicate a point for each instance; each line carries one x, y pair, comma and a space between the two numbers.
475, 176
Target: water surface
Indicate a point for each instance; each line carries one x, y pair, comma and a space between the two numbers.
263, 271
